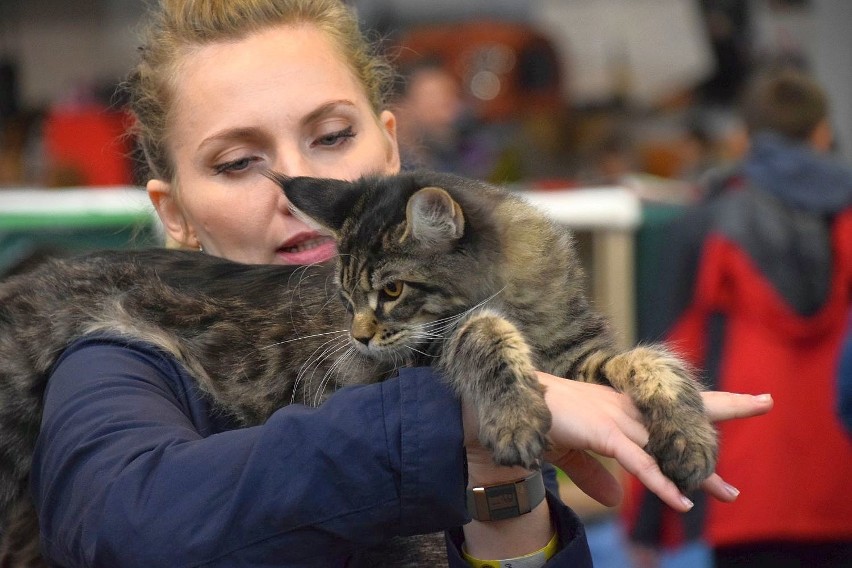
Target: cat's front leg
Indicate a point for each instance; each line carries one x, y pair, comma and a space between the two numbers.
681, 437
488, 363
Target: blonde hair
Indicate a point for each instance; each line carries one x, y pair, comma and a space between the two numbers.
178, 26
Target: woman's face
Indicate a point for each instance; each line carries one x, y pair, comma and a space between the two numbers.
281, 99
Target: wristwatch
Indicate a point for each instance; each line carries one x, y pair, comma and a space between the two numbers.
506, 500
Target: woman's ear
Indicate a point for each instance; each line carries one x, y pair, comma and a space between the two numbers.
388, 122
177, 229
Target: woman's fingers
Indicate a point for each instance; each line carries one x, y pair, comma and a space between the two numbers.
717, 487
590, 476
637, 461
600, 420
721, 405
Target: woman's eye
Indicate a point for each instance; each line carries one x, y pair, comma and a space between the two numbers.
393, 289
334, 137
234, 166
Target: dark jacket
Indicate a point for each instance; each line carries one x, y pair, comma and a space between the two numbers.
133, 468
844, 379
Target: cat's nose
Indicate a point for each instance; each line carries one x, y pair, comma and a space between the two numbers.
365, 339
363, 326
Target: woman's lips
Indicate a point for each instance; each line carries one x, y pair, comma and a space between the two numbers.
317, 248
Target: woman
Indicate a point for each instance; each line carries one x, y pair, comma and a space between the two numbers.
132, 468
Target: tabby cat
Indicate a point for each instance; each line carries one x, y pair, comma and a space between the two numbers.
433, 270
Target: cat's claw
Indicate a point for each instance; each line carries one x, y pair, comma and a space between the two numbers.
517, 439
685, 454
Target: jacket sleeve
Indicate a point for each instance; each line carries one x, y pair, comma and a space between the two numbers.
124, 473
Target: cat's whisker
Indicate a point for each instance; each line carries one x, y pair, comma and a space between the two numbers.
444, 328
303, 275
326, 354
339, 331
444, 320
421, 352
440, 326
311, 362
335, 368
421, 333
339, 362
447, 321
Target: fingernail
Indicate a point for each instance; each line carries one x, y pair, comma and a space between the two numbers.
732, 490
764, 398
686, 502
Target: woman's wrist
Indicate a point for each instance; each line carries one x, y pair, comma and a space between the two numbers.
506, 538
535, 559
479, 474
509, 538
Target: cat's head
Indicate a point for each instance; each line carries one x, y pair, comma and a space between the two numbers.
414, 249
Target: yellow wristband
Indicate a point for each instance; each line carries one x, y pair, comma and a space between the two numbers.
535, 559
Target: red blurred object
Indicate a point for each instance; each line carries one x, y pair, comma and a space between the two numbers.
553, 184
506, 68
91, 141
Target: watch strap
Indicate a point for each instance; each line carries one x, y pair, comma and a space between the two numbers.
506, 500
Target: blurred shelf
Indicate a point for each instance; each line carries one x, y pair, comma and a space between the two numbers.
595, 208
36, 221
35, 208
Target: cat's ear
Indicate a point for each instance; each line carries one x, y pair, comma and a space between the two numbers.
433, 217
325, 203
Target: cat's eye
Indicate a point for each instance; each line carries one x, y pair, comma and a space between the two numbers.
393, 289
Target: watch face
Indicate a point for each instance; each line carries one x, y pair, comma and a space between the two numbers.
501, 497
502, 502
506, 500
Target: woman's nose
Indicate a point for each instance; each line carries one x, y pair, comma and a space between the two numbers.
293, 163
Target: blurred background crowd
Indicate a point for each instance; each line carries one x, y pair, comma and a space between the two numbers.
545, 95
549, 92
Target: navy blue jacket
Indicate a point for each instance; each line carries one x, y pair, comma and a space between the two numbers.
134, 468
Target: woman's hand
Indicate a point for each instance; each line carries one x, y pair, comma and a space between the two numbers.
599, 419
592, 418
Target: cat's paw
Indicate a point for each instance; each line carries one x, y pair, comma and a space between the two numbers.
684, 446
681, 437
516, 435
488, 362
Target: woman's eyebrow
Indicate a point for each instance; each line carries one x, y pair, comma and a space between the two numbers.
325, 109
236, 133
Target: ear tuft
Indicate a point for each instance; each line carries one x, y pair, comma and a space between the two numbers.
321, 202
279, 178
433, 217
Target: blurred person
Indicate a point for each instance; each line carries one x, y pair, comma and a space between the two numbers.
844, 379
754, 288
435, 129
